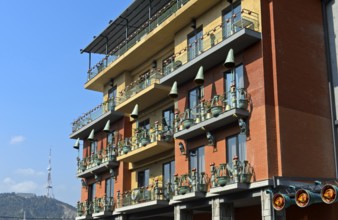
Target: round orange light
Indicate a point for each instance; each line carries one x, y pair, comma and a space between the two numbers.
328, 194
278, 202
302, 198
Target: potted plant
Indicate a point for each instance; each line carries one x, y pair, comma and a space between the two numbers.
187, 122
243, 99
215, 109
184, 185
223, 177
246, 172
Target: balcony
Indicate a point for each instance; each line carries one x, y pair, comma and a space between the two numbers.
191, 186
97, 163
140, 91
84, 210
144, 198
146, 144
210, 115
94, 119
212, 48
232, 177
103, 206
148, 40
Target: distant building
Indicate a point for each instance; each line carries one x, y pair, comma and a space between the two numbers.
212, 110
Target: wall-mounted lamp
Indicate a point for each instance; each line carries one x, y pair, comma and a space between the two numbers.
281, 201
111, 82
211, 140
77, 144
199, 79
193, 23
107, 127
182, 148
84, 183
173, 92
242, 126
97, 179
154, 64
329, 193
91, 135
134, 114
230, 60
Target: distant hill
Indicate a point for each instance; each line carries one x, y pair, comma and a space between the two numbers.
13, 205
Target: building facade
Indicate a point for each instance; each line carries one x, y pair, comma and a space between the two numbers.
211, 110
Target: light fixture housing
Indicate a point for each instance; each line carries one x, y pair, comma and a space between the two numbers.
134, 114
173, 92
77, 144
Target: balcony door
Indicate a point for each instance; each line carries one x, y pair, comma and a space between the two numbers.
233, 77
91, 192
195, 43
197, 159
109, 190
236, 146
194, 98
111, 98
143, 178
231, 16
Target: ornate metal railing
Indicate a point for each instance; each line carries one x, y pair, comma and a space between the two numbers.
84, 208
103, 204
143, 82
161, 16
191, 182
247, 19
206, 109
93, 114
144, 137
144, 194
95, 160
235, 172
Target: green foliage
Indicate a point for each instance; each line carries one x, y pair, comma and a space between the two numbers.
14, 205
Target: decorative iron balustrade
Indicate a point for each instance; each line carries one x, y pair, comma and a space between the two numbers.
144, 137
106, 155
93, 114
206, 109
143, 82
103, 204
84, 208
161, 16
210, 39
236, 172
144, 194
191, 182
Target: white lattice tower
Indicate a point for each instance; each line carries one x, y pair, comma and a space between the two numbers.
49, 179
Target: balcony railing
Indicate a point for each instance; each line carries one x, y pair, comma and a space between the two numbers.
144, 137
247, 19
103, 204
143, 82
191, 182
161, 16
144, 194
206, 109
93, 114
95, 160
84, 208
235, 172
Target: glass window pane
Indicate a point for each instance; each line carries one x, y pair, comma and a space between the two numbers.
231, 148
166, 173
201, 161
193, 159
242, 147
146, 177
140, 179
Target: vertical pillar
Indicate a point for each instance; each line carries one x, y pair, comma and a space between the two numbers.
180, 214
222, 211
121, 217
267, 209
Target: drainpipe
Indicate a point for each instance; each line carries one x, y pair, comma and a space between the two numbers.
331, 88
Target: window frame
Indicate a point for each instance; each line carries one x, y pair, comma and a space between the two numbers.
241, 153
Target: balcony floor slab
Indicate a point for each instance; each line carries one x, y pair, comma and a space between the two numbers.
143, 206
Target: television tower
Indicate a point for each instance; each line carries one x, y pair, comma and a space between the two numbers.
49, 180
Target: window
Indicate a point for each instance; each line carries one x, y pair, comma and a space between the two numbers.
196, 159
111, 98
194, 98
229, 20
195, 46
144, 124
143, 178
235, 77
93, 147
110, 138
168, 172
168, 118
92, 192
168, 65
109, 187
236, 146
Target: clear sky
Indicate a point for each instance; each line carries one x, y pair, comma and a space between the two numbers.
41, 89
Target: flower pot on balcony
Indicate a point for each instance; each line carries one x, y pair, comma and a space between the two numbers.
82, 167
144, 141
125, 149
97, 161
243, 103
223, 180
216, 111
183, 190
187, 123
202, 187
245, 177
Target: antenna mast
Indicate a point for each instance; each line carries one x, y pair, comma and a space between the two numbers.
49, 180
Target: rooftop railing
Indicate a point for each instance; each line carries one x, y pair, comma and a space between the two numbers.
161, 16
143, 137
143, 82
93, 114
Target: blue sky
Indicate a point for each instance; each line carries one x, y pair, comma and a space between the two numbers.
42, 74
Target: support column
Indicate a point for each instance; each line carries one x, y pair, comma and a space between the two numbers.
180, 214
222, 211
267, 210
121, 217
